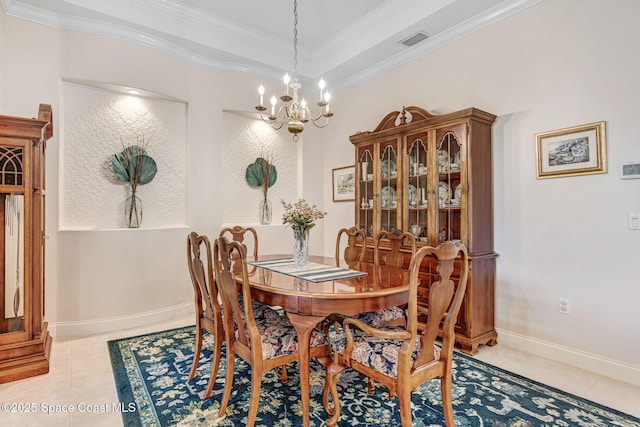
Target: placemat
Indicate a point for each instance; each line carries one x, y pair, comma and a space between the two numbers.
313, 272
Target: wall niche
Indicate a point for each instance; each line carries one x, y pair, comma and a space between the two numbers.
99, 122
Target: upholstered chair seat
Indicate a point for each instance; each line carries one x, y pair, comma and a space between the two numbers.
381, 317
278, 337
379, 353
260, 310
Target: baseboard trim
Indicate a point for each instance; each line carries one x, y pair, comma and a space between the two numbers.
98, 326
611, 368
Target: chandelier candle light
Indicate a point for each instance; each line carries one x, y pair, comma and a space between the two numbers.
294, 111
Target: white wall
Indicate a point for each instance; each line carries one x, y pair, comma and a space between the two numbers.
100, 280
95, 277
247, 138
98, 123
555, 65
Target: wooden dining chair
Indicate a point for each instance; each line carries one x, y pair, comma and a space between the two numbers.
208, 310
396, 241
351, 252
402, 358
239, 233
209, 313
393, 257
264, 343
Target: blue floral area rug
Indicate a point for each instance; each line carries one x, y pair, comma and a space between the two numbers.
152, 372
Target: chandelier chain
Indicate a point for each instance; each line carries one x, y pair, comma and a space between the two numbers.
295, 37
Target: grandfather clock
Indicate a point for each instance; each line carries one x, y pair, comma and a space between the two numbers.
25, 343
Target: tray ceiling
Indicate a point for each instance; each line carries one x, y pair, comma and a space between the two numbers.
345, 42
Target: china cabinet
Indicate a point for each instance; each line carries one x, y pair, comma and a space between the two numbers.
25, 342
431, 175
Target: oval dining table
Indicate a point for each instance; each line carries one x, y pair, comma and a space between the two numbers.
307, 303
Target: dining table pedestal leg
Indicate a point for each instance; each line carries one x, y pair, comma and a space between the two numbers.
304, 326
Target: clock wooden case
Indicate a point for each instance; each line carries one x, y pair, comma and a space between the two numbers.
25, 343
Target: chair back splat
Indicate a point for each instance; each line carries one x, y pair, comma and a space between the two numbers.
396, 241
239, 234
227, 287
351, 252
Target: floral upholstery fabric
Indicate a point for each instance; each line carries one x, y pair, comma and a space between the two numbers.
379, 353
260, 310
278, 336
380, 317
263, 311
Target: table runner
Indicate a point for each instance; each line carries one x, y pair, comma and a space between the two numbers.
313, 272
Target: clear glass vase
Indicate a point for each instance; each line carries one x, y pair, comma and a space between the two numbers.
133, 211
301, 248
264, 211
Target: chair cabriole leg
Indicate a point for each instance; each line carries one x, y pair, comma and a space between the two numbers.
447, 404
231, 359
196, 353
256, 384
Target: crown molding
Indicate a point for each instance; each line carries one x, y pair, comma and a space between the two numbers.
468, 27
263, 55
359, 38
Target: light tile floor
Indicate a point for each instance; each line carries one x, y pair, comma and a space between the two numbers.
80, 378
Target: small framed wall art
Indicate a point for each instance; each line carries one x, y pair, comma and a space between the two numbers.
344, 184
578, 150
631, 170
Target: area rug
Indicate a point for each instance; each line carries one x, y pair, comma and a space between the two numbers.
151, 374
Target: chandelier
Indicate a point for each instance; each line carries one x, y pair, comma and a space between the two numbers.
294, 111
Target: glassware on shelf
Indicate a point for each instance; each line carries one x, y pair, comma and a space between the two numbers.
365, 171
444, 194
387, 196
389, 169
444, 161
416, 230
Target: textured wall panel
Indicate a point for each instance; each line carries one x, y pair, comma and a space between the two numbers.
96, 124
245, 139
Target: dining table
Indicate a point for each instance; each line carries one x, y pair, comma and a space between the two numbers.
307, 303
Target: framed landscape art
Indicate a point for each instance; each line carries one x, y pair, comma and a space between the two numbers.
578, 150
344, 184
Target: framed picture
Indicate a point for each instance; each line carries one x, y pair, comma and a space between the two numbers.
578, 150
631, 170
344, 184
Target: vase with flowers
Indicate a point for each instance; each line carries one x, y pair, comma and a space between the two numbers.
262, 174
135, 166
301, 218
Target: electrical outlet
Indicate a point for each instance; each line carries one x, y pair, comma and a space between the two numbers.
563, 305
634, 221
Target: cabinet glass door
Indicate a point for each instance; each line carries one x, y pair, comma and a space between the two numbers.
416, 170
450, 187
389, 188
365, 192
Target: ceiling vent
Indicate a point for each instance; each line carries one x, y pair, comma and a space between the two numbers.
414, 39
